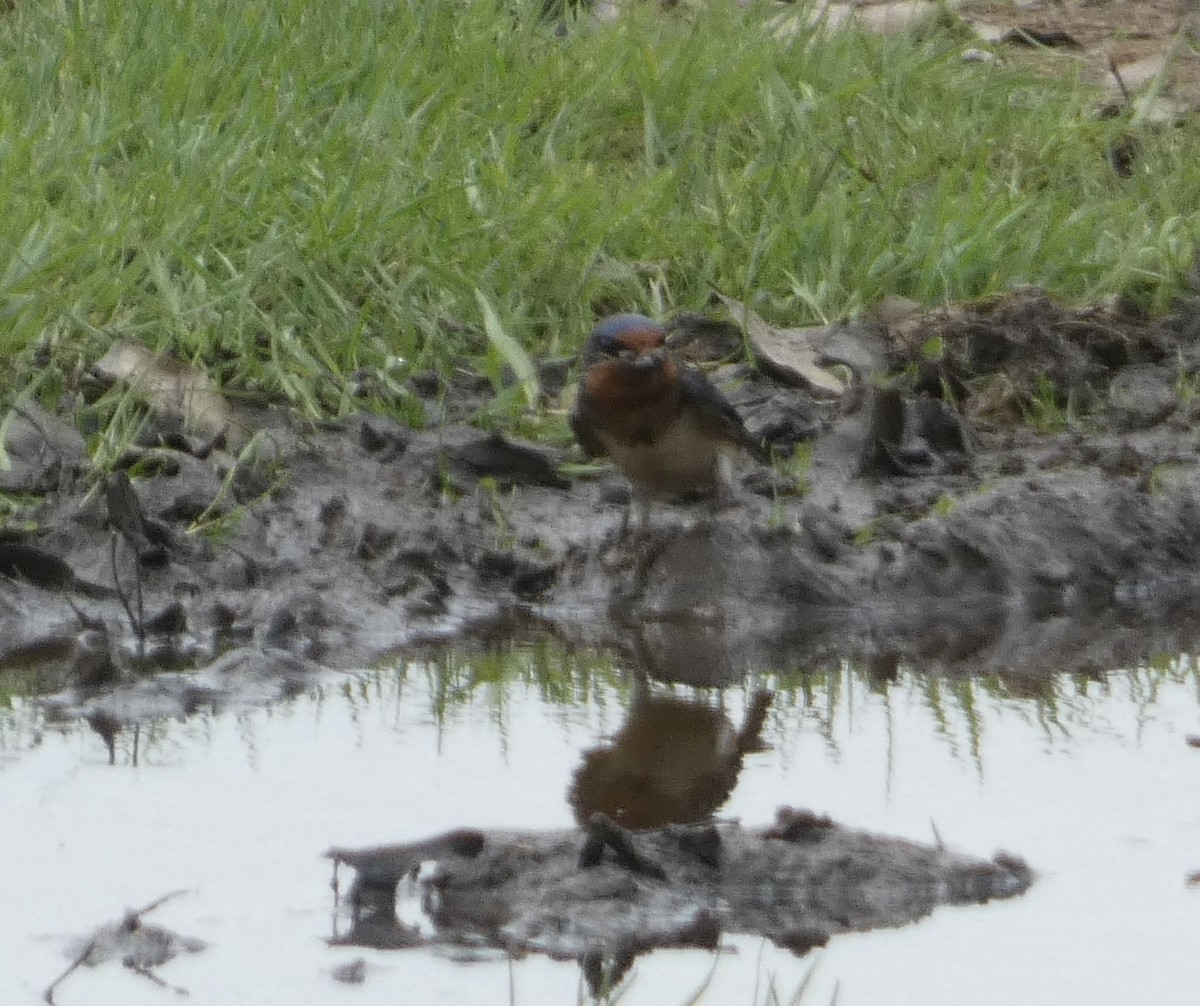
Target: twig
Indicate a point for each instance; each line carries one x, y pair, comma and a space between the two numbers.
125, 517
131, 921
154, 904
112, 559
1112, 68
86, 621
145, 972
48, 995
140, 628
136, 622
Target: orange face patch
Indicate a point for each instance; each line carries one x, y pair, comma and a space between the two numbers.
620, 386
642, 340
629, 403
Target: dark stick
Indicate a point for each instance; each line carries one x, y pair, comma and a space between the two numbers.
48, 995
134, 623
131, 920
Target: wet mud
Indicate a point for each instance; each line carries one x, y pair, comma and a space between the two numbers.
1008, 486
999, 488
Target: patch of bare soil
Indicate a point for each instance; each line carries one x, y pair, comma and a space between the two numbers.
1007, 487
1126, 46
1001, 487
1136, 49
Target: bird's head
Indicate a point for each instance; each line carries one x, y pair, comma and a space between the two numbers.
632, 337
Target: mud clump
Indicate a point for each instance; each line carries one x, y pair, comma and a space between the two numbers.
604, 894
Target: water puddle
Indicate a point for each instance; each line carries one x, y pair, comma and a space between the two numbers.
1091, 780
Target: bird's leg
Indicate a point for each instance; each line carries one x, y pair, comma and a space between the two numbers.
726, 494
636, 521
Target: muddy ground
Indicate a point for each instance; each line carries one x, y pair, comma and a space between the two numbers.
1002, 488
1007, 487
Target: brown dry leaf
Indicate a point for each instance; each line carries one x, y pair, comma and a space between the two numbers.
788, 352
171, 387
1138, 73
892, 309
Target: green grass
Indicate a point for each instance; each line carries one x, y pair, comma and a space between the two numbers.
1050, 411
288, 193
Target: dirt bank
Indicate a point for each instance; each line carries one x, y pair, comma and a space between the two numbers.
1005, 487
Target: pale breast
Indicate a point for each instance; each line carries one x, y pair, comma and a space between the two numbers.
683, 459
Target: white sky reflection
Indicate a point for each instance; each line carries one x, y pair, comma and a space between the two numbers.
237, 808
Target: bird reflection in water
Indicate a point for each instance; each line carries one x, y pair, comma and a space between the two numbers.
674, 761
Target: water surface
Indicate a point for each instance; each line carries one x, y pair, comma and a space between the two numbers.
1091, 780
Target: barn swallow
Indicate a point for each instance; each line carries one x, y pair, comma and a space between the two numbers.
662, 423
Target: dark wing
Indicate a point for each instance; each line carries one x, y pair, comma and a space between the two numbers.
581, 426
719, 417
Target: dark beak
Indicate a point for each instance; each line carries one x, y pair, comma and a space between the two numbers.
648, 361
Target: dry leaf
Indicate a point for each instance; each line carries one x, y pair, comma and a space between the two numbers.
171, 387
787, 352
